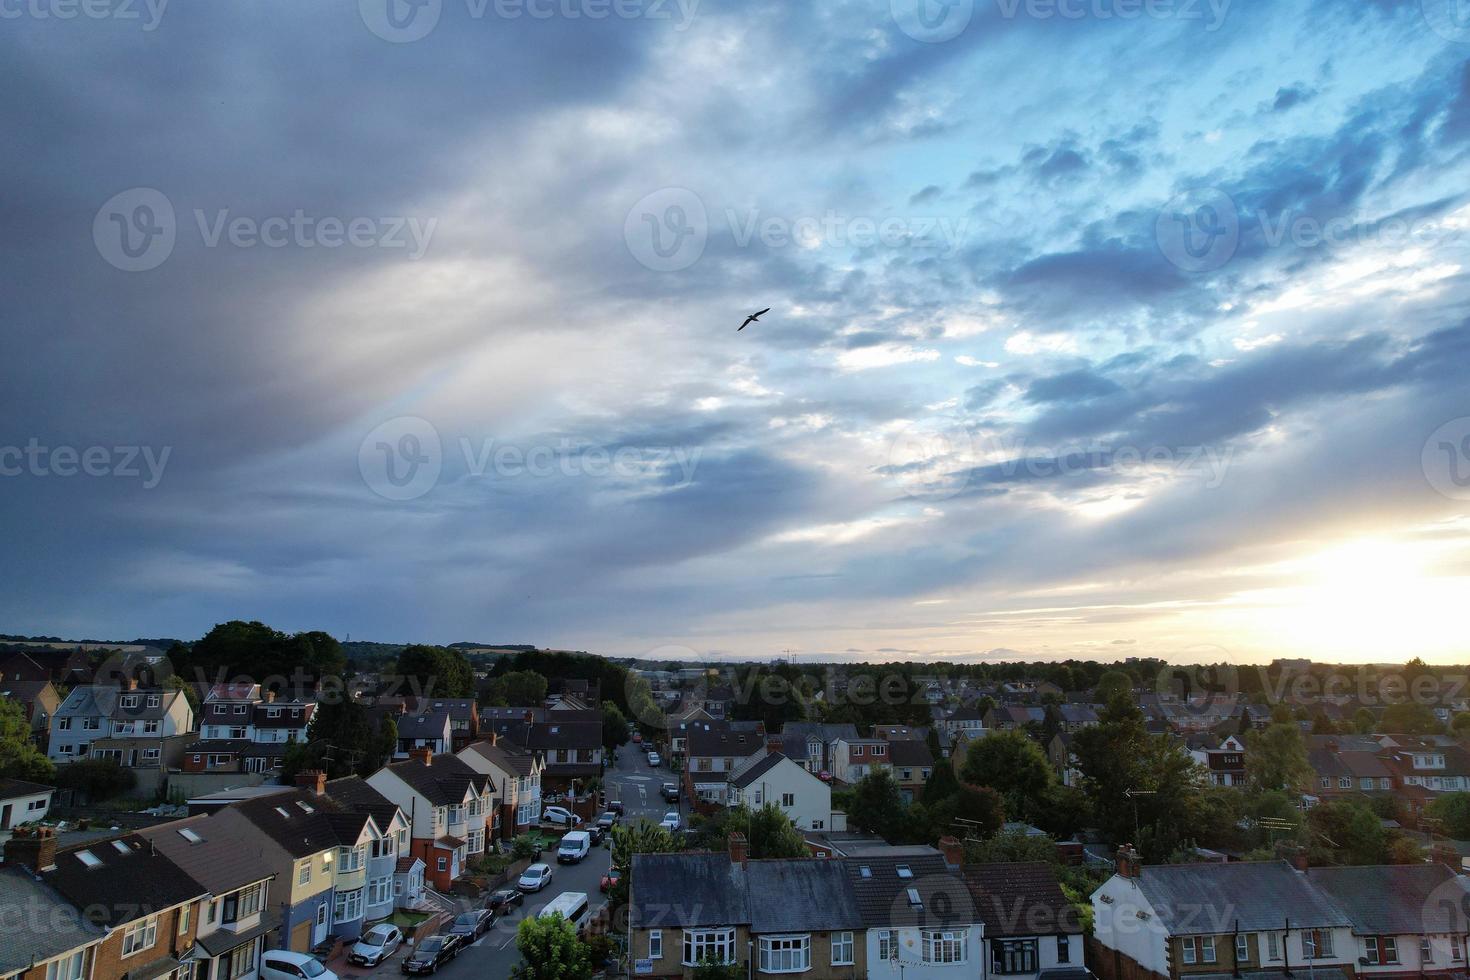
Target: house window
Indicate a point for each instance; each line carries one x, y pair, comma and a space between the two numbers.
788, 799
380, 890
184, 919
1273, 947
321, 914
241, 709
443, 864
709, 944
951, 946
1198, 949
842, 949
1064, 949
303, 874
1426, 951
63, 724
36, 805
68, 967
150, 728
786, 954
348, 906
655, 944
1382, 950
140, 936
1344, 782
1457, 952
888, 944
243, 903
128, 701
153, 700
241, 962
1317, 944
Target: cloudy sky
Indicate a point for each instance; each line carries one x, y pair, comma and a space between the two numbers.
1098, 327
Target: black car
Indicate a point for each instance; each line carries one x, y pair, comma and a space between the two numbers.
606, 822
430, 954
670, 792
616, 806
469, 926
504, 900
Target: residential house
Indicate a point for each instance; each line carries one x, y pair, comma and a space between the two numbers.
1031, 930
464, 719
809, 744
912, 763
714, 754
1071, 718
143, 729
1346, 765
237, 916
64, 668
430, 730
64, 950
448, 805
569, 740
919, 920
386, 848
515, 784
967, 720
773, 778
1256, 917
1408, 920
23, 802
768, 917
243, 730
1223, 759
146, 905
1063, 759
1013, 717
1432, 765
38, 700
854, 758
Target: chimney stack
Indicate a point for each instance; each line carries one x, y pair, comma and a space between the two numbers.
270, 697
313, 780
739, 848
1130, 864
33, 848
953, 851
1294, 854
422, 754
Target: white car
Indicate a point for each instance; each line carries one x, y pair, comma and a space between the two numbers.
282, 964
670, 821
560, 815
376, 945
535, 878
653, 759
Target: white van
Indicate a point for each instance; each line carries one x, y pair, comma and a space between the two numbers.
574, 847
572, 906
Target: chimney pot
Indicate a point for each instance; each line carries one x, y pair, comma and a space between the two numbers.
1130, 864
422, 754
953, 851
313, 780
33, 848
739, 848
270, 697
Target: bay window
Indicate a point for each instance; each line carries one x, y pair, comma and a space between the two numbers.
706, 945
785, 954
945, 945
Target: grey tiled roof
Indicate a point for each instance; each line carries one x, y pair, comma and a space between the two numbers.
1020, 898
679, 890
800, 896
220, 862
756, 770
41, 923
1403, 899
882, 891
1197, 899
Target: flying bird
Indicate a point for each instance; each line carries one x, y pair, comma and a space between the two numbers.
752, 319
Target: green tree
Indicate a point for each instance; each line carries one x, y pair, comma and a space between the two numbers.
877, 805
614, 726
1014, 766
942, 782
1113, 684
254, 650
970, 811
1011, 845
1452, 810
1364, 721
551, 950
436, 671
1276, 759
772, 834
19, 757
1460, 724
712, 970
96, 779
517, 689
1410, 718
1346, 832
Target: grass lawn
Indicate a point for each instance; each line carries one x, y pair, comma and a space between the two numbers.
404, 919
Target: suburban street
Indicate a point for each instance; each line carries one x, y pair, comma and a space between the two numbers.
637, 785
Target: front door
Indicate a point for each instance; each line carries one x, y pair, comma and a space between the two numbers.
319, 934
133, 759
5, 817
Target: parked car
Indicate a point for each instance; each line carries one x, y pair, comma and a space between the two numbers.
503, 900
574, 847
824, 776
637, 738
469, 926
560, 815
431, 953
653, 759
535, 878
615, 806
283, 964
670, 820
610, 877
376, 945
607, 821
670, 792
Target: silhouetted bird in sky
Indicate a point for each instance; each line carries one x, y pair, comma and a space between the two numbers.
752, 319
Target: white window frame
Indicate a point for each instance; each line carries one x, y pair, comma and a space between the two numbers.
703, 944
70, 967
944, 946
303, 873
842, 949
655, 944
139, 937
786, 954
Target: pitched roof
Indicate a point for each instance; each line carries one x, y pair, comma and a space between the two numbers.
12, 788
120, 880
679, 890
444, 782
506, 757
800, 895
909, 752
295, 820
1195, 899
218, 861
1403, 899
1020, 898
353, 793
23, 899
883, 890
432, 725
825, 732
723, 742
749, 774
